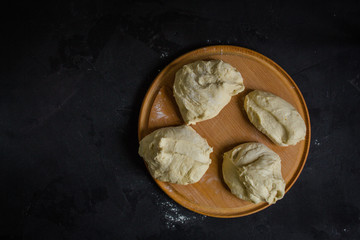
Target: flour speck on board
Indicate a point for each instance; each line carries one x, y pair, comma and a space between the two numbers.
159, 113
159, 107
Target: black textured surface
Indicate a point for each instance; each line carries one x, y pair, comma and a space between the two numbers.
73, 75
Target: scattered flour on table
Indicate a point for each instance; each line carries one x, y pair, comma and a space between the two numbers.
171, 212
173, 216
164, 54
355, 82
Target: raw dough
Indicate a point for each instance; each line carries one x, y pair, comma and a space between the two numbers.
176, 154
253, 173
203, 88
275, 117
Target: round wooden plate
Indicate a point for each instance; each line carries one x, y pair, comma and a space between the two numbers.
210, 196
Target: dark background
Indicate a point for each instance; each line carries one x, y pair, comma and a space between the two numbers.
73, 75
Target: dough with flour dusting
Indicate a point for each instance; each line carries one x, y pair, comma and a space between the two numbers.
176, 154
253, 173
203, 88
275, 117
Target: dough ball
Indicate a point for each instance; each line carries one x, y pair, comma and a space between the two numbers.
275, 117
203, 88
176, 154
253, 173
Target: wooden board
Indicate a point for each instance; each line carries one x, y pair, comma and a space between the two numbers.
210, 196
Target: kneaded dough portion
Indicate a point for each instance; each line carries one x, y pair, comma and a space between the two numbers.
253, 173
275, 117
176, 154
203, 88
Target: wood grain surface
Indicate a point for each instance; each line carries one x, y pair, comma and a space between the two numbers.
210, 196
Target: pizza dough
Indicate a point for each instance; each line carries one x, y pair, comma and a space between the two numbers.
203, 88
275, 117
253, 173
176, 154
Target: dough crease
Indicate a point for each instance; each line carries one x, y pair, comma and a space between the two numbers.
252, 171
275, 118
203, 88
176, 154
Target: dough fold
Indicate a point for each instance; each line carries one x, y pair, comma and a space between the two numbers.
176, 154
252, 171
275, 117
203, 88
